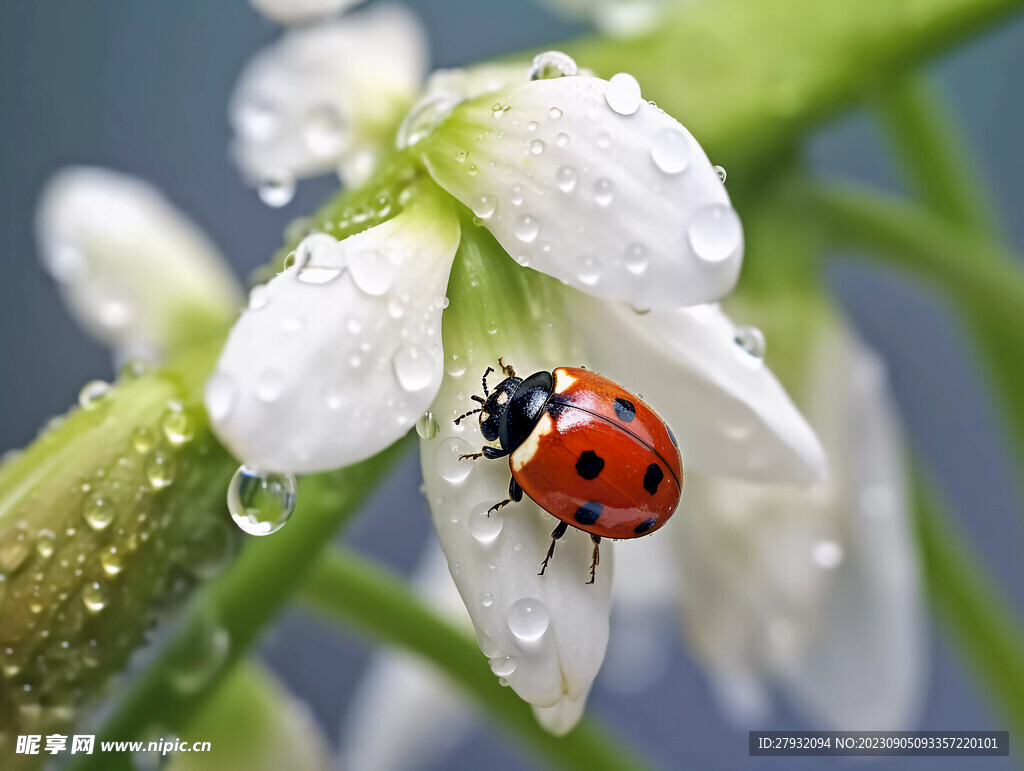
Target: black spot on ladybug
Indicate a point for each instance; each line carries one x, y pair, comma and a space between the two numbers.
644, 526
588, 513
672, 436
625, 410
589, 465
653, 478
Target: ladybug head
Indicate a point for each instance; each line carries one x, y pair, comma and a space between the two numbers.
495, 407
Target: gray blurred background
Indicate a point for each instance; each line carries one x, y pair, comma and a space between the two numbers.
141, 86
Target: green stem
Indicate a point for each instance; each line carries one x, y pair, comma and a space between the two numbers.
936, 159
353, 590
977, 615
983, 280
242, 602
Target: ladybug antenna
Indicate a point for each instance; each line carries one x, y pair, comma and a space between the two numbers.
478, 399
467, 414
483, 380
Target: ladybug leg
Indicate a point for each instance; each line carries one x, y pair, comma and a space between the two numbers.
506, 368
500, 505
597, 557
488, 452
557, 533
515, 492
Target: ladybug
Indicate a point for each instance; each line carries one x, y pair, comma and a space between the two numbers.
584, 449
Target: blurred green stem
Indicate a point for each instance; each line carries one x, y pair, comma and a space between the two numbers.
984, 281
352, 590
977, 615
242, 602
936, 160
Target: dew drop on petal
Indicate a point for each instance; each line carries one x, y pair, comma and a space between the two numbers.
623, 94
177, 425
427, 426
261, 504
751, 341
97, 512
722, 175
221, 394
484, 206
92, 394
536, 147
323, 131
487, 600
636, 259
715, 233
111, 562
554, 113
552, 64
827, 554
562, 139
526, 228
372, 271
413, 368
604, 190
447, 455
671, 150
503, 666
161, 469
46, 541
259, 297
528, 619
566, 178
93, 598
269, 385
485, 528
276, 193
200, 657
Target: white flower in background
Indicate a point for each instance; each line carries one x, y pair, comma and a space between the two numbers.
581, 180
300, 11
617, 18
134, 271
815, 591
322, 98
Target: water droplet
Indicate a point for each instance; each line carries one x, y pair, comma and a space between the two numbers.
65, 263
276, 193
526, 228
261, 504
413, 368
427, 426
134, 369
111, 561
270, 385
636, 259
200, 655
827, 554
93, 598
562, 139
532, 125
503, 666
46, 542
447, 455
715, 232
528, 619
590, 270
623, 94
461, 156
487, 600
484, 206
324, 131
482, 527
257, 121
98, 512
751, 341
161, 468
536, 147
517, 195
722, 175
92, 394
552, 64
670, 150
372, 271
259, 297
554, 113
177, 425
604, 191
566, 178
221, 394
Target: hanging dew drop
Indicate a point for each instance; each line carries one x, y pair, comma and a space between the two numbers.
751, 341
261, 504
276, 193
552, 64
427, 426
721, 173
503, 666
92, 394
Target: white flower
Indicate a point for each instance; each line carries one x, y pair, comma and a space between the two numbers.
814, 590
320, 98
299, 11
133, 270
646, 222
617, 18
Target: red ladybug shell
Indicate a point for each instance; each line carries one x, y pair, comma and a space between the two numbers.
600, 459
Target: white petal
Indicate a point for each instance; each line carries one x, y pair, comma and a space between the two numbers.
298, 11
616, 18
405, 713
131, 267
321, 95
563, 716
581, 179
727, 410
815, 590
337, 358
546, 635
